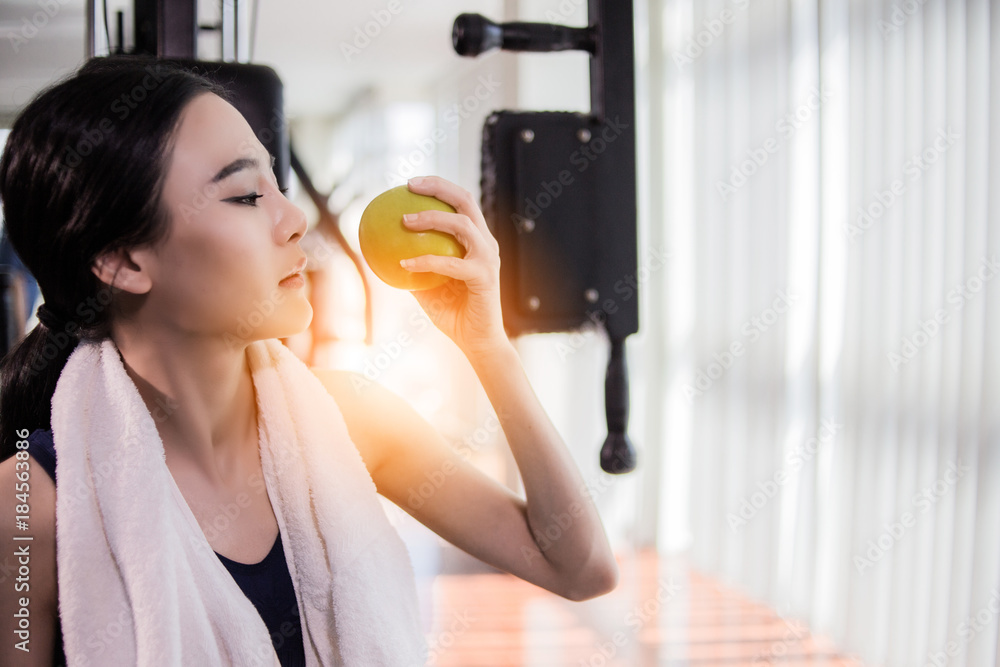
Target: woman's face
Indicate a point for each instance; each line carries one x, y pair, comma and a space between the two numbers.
234, 236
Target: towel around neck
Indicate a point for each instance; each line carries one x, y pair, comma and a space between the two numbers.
139, 583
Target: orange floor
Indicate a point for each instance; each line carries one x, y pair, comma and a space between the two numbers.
661, 614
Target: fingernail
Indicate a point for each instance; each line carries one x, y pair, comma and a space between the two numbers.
416, 180
409, 217
406, 263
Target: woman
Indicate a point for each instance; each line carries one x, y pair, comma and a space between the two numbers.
154, 226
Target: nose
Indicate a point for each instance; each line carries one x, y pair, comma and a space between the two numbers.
292, 223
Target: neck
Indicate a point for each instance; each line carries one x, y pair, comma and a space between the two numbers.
200, 393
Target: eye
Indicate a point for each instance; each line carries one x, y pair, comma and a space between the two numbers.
283, 190
249, 200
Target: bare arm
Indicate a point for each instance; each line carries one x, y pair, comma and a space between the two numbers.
561, 514
416, 469
39, 588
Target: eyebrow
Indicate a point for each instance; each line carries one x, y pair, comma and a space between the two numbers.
238, 165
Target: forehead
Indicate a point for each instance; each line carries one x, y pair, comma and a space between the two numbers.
210, 134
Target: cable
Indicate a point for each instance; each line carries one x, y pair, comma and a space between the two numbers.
236, 31
107, 33
253, 29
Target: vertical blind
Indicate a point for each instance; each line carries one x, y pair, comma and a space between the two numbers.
826, 178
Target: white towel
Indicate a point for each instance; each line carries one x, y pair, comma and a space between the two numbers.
139, 583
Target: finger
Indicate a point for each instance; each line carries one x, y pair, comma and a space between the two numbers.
476, 274
453, 267
458, 197
446, 191
456, 224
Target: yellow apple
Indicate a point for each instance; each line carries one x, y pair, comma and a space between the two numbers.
385, 241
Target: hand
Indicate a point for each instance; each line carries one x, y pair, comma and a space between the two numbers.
467, 308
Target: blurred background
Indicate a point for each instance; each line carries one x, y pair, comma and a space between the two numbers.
815, 397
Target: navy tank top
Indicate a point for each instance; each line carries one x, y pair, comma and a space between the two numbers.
267, 584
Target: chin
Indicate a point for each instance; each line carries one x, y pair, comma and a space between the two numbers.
290, 318
293, 319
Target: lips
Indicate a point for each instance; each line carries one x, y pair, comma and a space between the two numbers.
298, 268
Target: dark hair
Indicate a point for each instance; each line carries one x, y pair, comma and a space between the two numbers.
82, 174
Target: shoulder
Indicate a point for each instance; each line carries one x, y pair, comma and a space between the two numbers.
379, 421
357, 396
26, 480
366, 405
342, 385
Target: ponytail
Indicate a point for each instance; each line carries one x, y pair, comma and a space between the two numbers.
28, 375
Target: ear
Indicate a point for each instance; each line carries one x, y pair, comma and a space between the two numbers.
124, 270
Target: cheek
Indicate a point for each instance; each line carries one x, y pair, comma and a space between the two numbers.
217, 269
